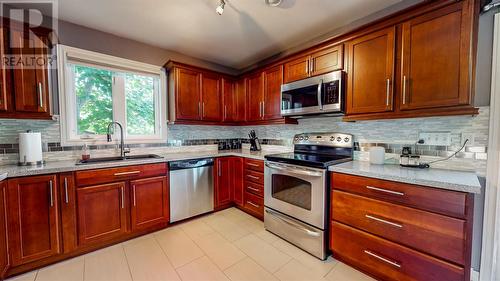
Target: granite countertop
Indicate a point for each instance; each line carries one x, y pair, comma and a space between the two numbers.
70, 165
439, 178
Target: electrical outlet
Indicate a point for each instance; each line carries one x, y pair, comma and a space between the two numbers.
435, 138
468, 136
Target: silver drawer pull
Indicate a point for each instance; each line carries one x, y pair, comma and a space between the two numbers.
51, 194
66, 195
393, 263
384, 221
253, 189
253, 177
385, 190
252, 164
127, 173
253, 204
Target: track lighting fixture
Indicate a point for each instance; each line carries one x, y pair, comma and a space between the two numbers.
220, 8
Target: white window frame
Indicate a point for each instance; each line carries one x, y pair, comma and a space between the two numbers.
70, 55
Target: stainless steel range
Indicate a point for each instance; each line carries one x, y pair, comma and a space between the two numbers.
296, 189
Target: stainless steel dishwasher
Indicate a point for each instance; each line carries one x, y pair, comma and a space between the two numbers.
191, 188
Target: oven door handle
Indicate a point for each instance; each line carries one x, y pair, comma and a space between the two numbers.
295, 170
320, 94
292, 224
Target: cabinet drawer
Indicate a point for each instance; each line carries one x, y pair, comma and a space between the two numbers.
254, 177
254, 165
387, 260
254, 188
254, 205
432, 199
435, 234
93, 177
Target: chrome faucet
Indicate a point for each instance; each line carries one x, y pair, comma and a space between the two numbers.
123, 150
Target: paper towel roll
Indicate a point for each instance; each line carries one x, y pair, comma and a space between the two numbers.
30, 148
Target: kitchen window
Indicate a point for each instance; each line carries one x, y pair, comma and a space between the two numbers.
97, 89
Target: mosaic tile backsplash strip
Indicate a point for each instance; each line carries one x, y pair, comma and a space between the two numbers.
391, 134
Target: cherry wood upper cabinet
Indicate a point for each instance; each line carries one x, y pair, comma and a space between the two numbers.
102, 212
150, 203
30, 83
241, 100
371, 72
273, 78
229, 111
4, 251
436, 63
211, 97
187, 94
316, 63
5, 75
255, 97
33, 218
67, 197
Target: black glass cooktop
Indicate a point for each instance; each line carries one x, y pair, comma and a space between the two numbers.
308, 159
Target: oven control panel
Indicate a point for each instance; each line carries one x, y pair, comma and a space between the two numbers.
325, 139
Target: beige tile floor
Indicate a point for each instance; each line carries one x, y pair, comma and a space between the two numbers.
228, 245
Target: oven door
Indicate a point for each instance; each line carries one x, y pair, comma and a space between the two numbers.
299, 192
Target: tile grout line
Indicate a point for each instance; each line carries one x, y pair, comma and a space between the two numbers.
128, 264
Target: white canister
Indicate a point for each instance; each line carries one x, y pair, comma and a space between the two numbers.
30, 148
377, 155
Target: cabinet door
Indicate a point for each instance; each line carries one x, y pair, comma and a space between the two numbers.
30, 83
436, 60
371, 72
273, 78
188, 99
241, 100
67, 197
150, 203
33, 218
102, 213
297, 69
229, 111
211, 97
223, 182
5, 75
237, 179
327, 60
4, 252
255, 97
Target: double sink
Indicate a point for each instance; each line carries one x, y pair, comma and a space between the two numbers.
117, 158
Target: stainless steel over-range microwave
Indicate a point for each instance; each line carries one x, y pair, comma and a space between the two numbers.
315, 95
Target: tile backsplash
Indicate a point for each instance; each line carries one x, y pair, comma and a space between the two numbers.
391, 134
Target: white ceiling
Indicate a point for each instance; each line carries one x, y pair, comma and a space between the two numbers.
247, 32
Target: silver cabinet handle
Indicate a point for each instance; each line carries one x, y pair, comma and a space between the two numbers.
311, 61
253, 165
66, 196
133, 193
203, 109
253, 177
263, 109
225, 112
308, 66
385, 190
254, 189
199, 109
51, 194
384, 221
404, 89
123, 197
296, 171
393, 263
219, 171
253, 204
388, 91
292, 224
320, 94
40, 93
127, 173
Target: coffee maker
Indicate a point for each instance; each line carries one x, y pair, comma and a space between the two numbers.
254, 141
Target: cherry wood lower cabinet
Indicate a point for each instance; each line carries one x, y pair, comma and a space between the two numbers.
228, 182
33, 218
4, 250
67, 197
400, 231
150, 203
253, 202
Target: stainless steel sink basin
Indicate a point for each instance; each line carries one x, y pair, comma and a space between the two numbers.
117, 158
